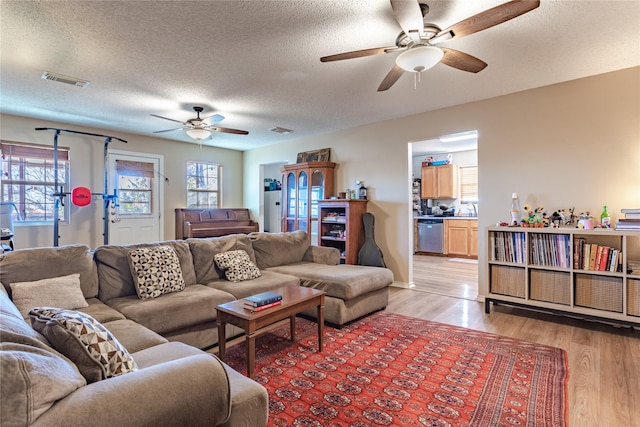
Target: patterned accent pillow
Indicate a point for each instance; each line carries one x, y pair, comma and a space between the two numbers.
85, 341
155, 271
237, 266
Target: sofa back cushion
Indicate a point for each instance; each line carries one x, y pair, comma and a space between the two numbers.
114, 273
274, 249
204, 251
45, 263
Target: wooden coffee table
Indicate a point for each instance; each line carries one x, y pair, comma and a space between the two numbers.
295, 299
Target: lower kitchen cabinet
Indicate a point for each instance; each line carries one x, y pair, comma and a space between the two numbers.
461, 237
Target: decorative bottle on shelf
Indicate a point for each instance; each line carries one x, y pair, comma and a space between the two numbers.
515, 210
362, 192
605, 219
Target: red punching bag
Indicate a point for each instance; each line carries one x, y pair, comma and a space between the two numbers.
81, 196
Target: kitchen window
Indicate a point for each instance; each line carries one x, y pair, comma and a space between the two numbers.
469, 184
28, 181
203, 185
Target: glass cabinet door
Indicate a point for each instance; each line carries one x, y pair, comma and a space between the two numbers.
303, 196
290, 203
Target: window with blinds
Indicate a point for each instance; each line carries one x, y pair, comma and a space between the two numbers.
469, 184
203, 185
135, 191
28, 180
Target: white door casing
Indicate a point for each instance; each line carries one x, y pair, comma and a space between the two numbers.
136, 228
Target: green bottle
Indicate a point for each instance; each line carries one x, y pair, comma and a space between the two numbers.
605, 219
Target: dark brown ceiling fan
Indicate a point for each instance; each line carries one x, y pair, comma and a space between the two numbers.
417, 42
197, 128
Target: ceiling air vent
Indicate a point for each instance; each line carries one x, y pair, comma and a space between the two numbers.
47, 75
283, 131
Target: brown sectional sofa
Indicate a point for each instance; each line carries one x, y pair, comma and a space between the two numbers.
181, 384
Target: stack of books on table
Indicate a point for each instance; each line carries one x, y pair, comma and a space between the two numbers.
262, 301
631, 220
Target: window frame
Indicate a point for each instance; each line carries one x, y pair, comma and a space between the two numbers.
468, 184
206, 191
24, 156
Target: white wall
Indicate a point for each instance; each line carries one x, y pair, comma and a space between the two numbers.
571, 144
87, 170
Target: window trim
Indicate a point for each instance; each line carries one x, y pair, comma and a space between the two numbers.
218, 190
40, 152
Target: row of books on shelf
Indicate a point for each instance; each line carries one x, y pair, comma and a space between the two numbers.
591, 256
631, 220
508, 247
551, 250
262, 301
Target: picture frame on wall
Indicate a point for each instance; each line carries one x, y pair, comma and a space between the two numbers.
322, 155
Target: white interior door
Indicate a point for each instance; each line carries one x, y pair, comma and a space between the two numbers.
135, 217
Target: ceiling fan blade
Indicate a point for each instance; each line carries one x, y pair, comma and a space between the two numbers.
462, 61
167, 118
167, 130
215, 118
409, 16
489, 18
391, 78
227, 130
358, 53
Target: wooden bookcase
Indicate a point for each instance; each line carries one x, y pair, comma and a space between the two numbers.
341, 227
546, 269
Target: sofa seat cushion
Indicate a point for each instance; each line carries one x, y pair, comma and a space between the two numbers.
133, 336
101, 311
273, 249
339, 281
204, 251
170, 312
268, 281
33, 379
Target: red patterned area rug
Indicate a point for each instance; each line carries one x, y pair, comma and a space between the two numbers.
393, 370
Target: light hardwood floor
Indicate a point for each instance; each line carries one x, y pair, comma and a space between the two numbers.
457, 277
604, 361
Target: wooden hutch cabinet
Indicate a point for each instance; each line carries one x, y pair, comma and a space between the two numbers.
341, 227
303, 184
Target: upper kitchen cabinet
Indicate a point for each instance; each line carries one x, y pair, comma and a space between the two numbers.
303, 185
440, 182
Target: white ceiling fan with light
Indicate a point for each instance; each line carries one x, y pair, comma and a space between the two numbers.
197, 128
417, 42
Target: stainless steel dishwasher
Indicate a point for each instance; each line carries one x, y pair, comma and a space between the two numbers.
431, 235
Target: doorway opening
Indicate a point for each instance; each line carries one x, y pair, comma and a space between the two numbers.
271, 197
451, 209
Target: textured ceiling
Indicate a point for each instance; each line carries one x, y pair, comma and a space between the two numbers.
257, 62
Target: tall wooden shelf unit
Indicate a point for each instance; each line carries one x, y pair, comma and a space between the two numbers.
544, 268
303, 184
341, 227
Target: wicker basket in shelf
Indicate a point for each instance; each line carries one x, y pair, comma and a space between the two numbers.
633, 297
550, 286
507, 280
600, 292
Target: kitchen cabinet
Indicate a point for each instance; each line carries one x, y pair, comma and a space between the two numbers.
440, 182
341, 227
303, 184
462, 237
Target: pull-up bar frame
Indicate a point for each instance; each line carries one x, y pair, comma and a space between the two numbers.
60, 194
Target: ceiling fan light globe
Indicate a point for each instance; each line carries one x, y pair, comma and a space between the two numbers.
198, 134
419, 58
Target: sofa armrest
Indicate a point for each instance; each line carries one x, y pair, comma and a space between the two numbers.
322, 255
191, 391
